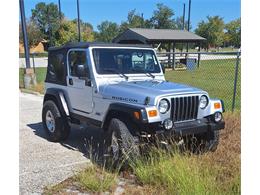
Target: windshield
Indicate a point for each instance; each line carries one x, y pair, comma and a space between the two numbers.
125, 61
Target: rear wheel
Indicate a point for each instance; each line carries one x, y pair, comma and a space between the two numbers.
55, 125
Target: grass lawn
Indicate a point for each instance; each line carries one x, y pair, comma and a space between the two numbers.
170, 172
40, 77
214, 76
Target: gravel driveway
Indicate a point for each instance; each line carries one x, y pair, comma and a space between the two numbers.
43, 163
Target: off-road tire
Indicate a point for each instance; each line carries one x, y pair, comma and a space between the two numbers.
207, 142
212, 141
61, 129
128, 148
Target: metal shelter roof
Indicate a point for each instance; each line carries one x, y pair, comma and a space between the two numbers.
144, 35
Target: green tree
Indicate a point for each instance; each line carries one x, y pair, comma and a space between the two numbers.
34, 34
67, 32
178, 22
233, 32
162, 17
212, 30
134, 20
86, 30
88, 33
46, 18
107, 31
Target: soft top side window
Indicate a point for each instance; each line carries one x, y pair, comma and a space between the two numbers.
56, 68
76, 57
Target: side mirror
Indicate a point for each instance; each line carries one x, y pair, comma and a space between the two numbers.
81, 71
163, 68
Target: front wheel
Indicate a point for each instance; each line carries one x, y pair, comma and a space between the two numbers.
55, 125
207, 142
122, 145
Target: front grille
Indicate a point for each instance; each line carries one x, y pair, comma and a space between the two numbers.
184, 108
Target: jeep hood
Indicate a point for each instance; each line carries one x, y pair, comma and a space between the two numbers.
137, 91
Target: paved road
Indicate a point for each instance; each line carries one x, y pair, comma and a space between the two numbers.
43, 163
39, 62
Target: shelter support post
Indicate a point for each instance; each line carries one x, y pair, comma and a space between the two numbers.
199, 55
173, 56
169, 55
187, 50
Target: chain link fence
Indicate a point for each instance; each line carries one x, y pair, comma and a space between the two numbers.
217, 73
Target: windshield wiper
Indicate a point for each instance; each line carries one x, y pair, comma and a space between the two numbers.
150, 74
146, 73
115, 71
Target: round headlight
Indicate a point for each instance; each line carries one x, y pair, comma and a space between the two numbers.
164, 106
203, 101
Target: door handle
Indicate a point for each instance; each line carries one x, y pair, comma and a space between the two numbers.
70, 81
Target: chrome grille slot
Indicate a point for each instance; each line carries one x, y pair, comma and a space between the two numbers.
184, 108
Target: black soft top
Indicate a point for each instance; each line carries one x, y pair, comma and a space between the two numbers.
95, 44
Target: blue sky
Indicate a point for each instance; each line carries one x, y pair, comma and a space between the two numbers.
96, 11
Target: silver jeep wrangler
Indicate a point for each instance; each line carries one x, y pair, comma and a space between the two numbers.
122, 89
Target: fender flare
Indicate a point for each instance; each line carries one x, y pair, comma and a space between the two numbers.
121, 109
57, 95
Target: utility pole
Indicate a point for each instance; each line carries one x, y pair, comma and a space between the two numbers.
25, 39
29, 74
183, 17
189, 15
78, 20
49, 27
142, 20
59, 10
183, 23
187, 49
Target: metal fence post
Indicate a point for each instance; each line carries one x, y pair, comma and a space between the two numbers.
235, 82
173, 61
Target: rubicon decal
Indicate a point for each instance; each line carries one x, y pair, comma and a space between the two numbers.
124, 99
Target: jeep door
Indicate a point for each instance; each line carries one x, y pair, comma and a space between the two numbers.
79, 88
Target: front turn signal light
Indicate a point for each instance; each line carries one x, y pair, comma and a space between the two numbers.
217, 105
152, 113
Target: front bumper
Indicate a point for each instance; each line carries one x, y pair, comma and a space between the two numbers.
198, 126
